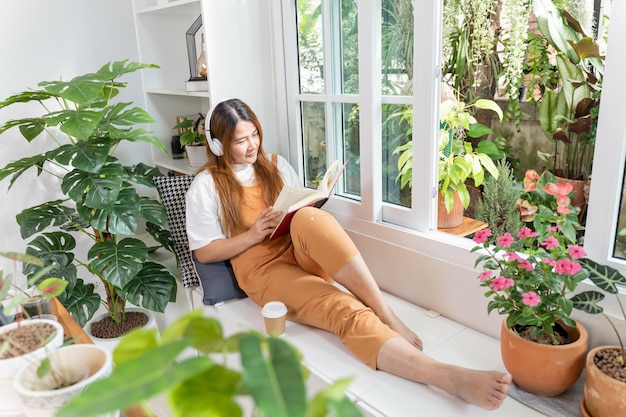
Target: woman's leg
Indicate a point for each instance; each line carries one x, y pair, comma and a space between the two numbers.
321, 245
486, 389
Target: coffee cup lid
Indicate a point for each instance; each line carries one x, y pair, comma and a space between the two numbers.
274, 309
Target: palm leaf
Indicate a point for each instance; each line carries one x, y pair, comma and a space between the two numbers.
119, 262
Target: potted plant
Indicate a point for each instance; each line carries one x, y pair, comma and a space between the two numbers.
271, 373
458, 161
569, 113
22, 341
529, 278
101, 201
46, 384
193, 139
605, 377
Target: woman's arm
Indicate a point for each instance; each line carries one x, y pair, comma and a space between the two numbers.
226, 248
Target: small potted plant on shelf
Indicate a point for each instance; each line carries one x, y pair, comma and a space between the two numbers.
271, 373
458, 161
529, 278
605, 377
101, 203
193, 139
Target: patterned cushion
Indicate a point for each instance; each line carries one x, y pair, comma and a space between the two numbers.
216, 279
172, 191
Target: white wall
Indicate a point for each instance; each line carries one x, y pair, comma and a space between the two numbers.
47, 40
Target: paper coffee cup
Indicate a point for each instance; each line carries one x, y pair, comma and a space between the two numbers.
274, 314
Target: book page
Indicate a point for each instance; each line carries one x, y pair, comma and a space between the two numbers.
291, 198
330, 177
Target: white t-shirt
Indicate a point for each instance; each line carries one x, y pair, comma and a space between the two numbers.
203, 201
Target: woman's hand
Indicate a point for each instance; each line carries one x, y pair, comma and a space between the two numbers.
264, 225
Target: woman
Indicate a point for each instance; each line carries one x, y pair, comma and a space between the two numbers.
229, 216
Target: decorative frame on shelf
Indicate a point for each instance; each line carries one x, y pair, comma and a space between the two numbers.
192, 53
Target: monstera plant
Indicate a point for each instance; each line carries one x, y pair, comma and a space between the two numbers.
82, 126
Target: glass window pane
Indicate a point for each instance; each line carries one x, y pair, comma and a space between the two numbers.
351, 146
619, 249
349, 47
397, 47
314, 141
397, 145
310, 52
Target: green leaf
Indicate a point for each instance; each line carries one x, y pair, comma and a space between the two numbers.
81, 301
17, 168
603, 276
217, 387
482, 103
277, 388
152, 288
38, 218
142, 174
52, 287
87, 156
25, 97
587, 301
136, 380
94, 190
82, 90
153, 211
81, 123
120, 219
118, 263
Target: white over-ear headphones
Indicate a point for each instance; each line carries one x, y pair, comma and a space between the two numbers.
215, 144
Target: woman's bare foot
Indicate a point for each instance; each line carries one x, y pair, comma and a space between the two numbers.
486, 389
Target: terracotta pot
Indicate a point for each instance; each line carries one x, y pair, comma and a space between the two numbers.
545, 370
604, 396
447, 220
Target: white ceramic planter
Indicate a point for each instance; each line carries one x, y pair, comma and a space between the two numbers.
197, 155
10, 403
84, 363
111, 344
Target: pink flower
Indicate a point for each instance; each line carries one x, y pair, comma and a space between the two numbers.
531, 299
576, 251
553, 228
484, 276
526, 265
511, 256
563, 208
530, 180
526, 232
550, 243
482, 236
567, 267
559, 189
549, 261
506, 240
501, 283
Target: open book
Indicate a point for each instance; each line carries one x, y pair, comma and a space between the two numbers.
292, 199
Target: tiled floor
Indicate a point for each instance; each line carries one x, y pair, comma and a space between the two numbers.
378, 393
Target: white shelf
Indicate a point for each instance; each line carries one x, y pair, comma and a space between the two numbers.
165, 7
170, 92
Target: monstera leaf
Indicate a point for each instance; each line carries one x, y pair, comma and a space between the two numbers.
118, 263
153, 288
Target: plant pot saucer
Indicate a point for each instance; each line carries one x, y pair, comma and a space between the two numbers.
583, 408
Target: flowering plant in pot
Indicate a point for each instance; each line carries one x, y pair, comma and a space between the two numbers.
102, 200
530, 277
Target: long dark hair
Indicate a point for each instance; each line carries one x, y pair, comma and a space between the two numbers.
224, 119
